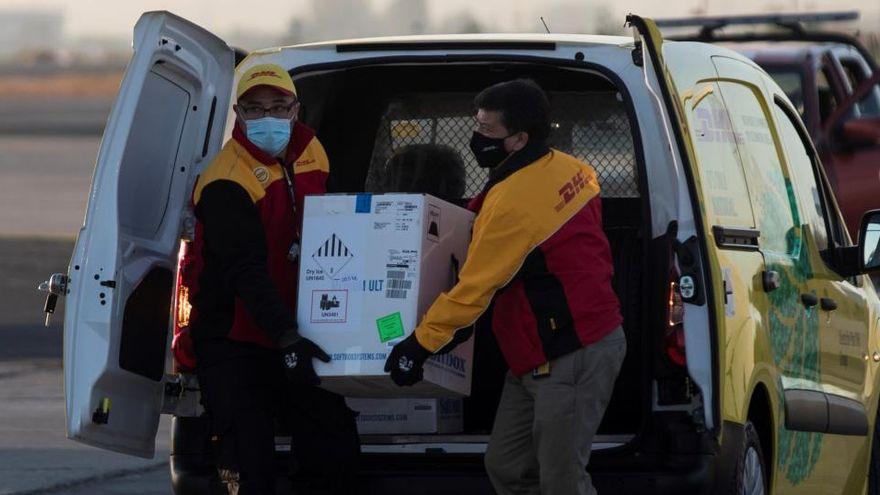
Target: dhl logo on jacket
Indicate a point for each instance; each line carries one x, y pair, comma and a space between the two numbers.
260, 227
539, 250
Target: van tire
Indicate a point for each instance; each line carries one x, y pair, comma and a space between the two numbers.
874, 466
191, 462
751, 468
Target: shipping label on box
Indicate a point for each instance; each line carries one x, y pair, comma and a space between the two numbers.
408, 416
371, 266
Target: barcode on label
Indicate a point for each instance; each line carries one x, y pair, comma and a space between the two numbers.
394, 283
398, 274
395, 294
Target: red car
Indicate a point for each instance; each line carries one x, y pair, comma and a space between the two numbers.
832, 79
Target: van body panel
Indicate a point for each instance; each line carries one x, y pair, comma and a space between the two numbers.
828, 346
116, 328
772, 345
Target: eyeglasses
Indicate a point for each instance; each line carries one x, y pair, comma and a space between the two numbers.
257, 111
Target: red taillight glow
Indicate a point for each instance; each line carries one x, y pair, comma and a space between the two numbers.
181, 344
184, 308
673, 334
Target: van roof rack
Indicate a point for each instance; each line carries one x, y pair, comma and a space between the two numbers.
793, 29
794, 22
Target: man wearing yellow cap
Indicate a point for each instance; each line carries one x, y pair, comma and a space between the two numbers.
241, 273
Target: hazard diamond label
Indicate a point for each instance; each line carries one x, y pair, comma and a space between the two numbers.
332, 256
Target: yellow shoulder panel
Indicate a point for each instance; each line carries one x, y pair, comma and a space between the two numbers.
553, 190
234, 164
313, 158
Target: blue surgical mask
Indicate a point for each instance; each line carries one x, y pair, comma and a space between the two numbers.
269, 134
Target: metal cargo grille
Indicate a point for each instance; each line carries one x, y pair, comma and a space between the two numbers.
592, 126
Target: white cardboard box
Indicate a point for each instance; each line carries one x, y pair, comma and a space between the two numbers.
371, 265
408, 416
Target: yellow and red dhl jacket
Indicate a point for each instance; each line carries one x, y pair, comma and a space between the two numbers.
242, 285
539, 250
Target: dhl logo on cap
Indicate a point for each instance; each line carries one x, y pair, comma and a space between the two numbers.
265, 75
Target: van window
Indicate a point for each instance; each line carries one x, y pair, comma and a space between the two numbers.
435, 127
771, 191
723, 183
802, 165
792, 82
149, 162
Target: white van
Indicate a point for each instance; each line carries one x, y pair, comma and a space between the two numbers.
752, 333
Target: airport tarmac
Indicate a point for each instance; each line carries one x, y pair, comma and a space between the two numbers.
44, 183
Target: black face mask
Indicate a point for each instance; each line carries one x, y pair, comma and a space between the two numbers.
489, 152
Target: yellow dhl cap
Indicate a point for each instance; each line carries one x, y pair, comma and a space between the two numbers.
265, 75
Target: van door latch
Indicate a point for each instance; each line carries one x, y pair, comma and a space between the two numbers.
729, 301
54, 287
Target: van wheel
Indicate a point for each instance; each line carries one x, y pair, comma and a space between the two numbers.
751, 471
874, 467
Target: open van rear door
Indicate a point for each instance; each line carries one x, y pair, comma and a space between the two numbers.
659, 80
166, 123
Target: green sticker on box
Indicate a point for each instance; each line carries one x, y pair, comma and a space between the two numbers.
390, 327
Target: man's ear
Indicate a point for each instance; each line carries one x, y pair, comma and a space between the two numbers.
520, 140
294, 111
238, 118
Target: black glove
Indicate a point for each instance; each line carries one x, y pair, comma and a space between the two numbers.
406, 361
296, 355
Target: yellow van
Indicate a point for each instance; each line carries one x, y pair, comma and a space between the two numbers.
751, 325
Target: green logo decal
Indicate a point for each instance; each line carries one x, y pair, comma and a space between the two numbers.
794, 337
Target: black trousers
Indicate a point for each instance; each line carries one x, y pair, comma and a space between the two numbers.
245, 391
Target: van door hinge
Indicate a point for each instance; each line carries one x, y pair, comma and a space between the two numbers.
638, 57
173, 389
180, 395
188, 225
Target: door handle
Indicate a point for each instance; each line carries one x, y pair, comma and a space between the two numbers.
809, 300
54, 287
770, 280
828, 304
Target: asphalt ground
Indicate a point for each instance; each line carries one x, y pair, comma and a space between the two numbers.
44, 183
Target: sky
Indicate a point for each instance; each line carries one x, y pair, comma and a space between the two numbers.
116, 18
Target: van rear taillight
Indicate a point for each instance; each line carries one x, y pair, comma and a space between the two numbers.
181, 344
673, 334
184, 308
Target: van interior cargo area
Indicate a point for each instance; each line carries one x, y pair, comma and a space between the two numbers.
367, 117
